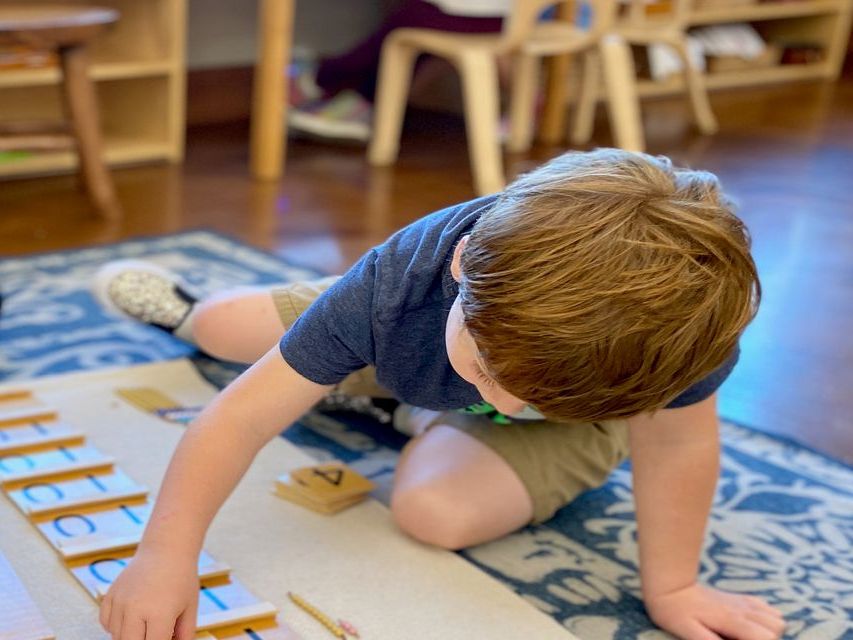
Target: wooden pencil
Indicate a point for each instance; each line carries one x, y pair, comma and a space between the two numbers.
318, 615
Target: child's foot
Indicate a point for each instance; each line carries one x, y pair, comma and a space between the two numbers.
347, 116
144, 292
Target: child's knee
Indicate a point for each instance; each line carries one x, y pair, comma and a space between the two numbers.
436, 517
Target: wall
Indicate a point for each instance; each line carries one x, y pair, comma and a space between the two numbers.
222, 32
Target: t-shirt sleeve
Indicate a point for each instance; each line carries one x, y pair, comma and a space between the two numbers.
707, 385
334, 336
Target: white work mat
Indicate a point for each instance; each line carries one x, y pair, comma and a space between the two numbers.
355, 565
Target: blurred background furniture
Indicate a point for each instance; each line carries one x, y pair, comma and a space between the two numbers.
814, 33
65, 32
139, 72
525, 39
602, 48
642, 27
811, 35
270, 99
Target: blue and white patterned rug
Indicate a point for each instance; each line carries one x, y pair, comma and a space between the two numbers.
782, 525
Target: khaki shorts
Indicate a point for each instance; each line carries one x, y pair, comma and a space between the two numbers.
555, 461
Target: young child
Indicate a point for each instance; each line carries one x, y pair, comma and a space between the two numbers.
597, 302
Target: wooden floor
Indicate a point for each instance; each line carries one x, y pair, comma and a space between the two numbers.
785, 153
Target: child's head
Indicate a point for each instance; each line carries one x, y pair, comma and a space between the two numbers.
602, 285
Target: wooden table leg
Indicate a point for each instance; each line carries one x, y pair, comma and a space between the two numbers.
620, 78
269, 101
82, 107
552, 127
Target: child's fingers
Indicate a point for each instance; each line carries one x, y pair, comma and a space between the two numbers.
744, 629
159, 628
104, 614
116, 619
185, 627
695, 630
775, 624
762, 605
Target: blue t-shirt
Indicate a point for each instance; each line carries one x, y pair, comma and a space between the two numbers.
390, 309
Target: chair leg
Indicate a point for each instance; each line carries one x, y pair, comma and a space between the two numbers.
392, 91
523, 102
82, 107
479, 73
623, 102
587, 98
706, 122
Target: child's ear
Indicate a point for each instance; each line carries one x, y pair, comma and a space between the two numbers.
456, 262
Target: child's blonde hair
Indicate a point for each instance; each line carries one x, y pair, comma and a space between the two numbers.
603, 284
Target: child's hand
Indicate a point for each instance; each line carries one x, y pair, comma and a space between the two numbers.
702, 613
155, 597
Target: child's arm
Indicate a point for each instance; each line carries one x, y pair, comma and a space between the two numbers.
158, 592
675, 459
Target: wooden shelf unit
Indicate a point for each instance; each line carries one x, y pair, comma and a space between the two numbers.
139, 71
824, 22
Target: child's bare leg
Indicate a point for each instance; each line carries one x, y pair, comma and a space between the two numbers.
466, 480
453, 491
239, 325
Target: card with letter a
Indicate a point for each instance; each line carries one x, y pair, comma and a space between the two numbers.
325, 488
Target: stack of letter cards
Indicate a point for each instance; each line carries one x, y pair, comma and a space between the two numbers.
324, 488
79, 469
93, 515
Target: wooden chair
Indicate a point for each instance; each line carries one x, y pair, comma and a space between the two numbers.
525, 39
67, 30
643, 27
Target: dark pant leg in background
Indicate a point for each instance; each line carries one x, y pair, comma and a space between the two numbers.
358, 68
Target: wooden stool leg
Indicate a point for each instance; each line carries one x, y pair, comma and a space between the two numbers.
587, 98
392, 91
525, 84
82, 107
480, 90
706, 122
269, 94
622, 99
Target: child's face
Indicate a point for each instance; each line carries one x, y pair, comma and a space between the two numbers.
465, 356
465, 359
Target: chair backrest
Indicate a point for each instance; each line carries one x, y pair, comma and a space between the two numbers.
526, 13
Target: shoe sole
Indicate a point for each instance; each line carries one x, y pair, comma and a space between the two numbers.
104, 275
323, 128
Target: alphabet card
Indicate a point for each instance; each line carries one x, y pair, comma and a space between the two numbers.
28, 465
74, 490
16, 397
78, 533
37, 434
96, 573
257, 630
224, 602
21, 407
